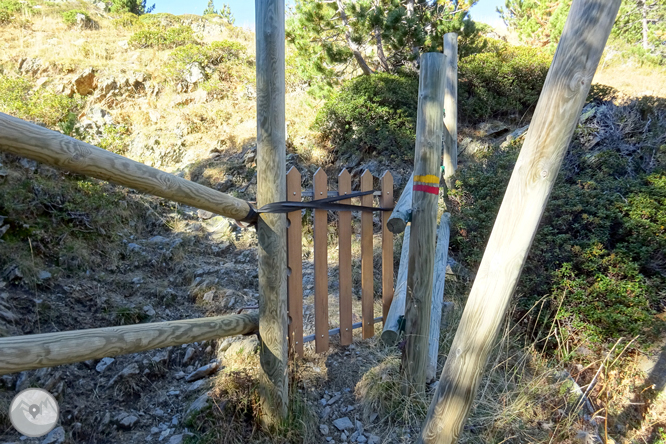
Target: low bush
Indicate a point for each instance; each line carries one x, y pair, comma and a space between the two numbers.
370, 115
8, 10
69, 17
600, 245
505, 81
126, 20
42, 105
227, 59
163, 38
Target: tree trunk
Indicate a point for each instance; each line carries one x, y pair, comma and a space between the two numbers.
353, 46
644, 12
380, 50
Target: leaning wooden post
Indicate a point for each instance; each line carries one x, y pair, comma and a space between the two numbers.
451, 107
271, 228
555, 118
439, 279
402, 211
391, 331
427, 161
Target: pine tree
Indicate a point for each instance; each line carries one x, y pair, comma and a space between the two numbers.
210, 9
337, 38
538, 23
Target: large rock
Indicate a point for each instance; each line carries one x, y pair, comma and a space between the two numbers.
194, 73
203, 372
246, 346
198, 405
343, 424
84, 83
30, 66
55, 436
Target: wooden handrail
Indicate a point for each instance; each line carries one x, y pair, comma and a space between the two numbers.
20, 353
53, 148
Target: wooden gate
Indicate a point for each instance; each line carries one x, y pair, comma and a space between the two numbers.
320, 255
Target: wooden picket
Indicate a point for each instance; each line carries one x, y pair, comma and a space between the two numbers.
320, 183
295, 265
345, 266
320, 256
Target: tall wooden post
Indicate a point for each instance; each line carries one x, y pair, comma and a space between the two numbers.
427, 161
555, 118
451, 107
271, 228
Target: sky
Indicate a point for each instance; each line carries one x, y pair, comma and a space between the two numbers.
243, 10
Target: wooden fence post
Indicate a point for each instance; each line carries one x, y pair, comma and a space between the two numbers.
295, 264
367, 268
439, 279
450, 107
387, 244
320, 182
427, 161
345, 262
271, 228
555, 118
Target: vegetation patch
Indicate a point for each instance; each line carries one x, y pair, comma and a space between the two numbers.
159, 38
372, 115
42, 105
126, 20
501, 81
602, 229
9, 9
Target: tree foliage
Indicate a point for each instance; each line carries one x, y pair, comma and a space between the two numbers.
138, 7
639, 22
343, 37
225, 12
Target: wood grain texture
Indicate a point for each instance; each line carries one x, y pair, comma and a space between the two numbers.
345, 261
427, 161
20, 353
555, 118
391, 330
272, 228
53, 148
320, 182
402, 212
439, 277
367, 268
450, 158
387, 244
295, 264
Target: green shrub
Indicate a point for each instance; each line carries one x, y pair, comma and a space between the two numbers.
138, 7
503, 82
372, 115
162, 38
603, 231
8, 9
42, 105
126, 20
229, 58
69, 17
162, 19
603, 296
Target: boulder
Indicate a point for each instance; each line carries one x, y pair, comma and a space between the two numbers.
194, 73
84, 83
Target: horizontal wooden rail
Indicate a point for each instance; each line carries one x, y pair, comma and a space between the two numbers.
53, 148
336, 331
310, 193
20, 353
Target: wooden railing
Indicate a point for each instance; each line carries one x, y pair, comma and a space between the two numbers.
320, 255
